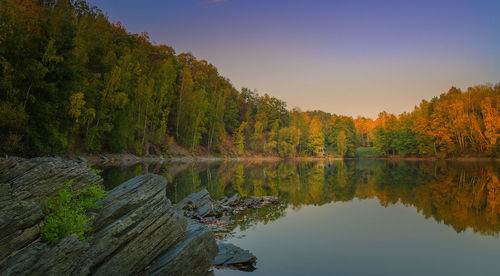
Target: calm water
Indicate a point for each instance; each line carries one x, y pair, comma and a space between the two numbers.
355, 217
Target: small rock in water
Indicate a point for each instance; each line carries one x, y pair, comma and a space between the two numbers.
216, 215
231, 256
233, 200
201, 205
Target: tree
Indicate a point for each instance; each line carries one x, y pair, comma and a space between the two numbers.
186, 87
316, 140
72, 81
239, 139
288, 141
341, 143
341, 136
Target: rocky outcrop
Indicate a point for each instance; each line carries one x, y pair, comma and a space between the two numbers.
215, 214
136, 225
231, 255
137, 231
41, 259
24, 185
198, 247
200, 205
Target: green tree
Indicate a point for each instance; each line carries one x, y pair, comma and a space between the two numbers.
239, 139
316, 139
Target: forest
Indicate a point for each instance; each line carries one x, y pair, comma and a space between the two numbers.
71, 81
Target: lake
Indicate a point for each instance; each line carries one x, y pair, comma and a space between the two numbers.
359, 217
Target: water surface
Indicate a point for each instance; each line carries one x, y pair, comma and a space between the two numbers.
356, 217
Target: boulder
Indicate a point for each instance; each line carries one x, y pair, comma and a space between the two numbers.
24, 186
38, 178
199, 205
137, 227
192, 256
19, 226
41, 259
232, 201
232, 255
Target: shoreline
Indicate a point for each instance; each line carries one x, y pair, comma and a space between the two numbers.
129, 158
126, 158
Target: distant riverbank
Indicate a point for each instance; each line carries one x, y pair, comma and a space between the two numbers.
130, 158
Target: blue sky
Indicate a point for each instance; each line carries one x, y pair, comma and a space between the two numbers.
345, 57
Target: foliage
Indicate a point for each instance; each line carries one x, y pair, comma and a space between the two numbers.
289, 138
315, 140
239, 139
341, 137
65, 213
95, 170
72, 81
455, 124
366, 152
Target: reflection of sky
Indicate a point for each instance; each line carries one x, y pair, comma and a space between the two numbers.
363, 238
345, 57
359, 237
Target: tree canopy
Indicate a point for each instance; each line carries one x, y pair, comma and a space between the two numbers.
71, 81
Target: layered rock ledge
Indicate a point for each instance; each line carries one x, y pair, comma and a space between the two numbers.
216, 215
137, 231
24, 186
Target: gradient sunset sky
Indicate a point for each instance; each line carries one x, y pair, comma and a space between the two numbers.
344, 57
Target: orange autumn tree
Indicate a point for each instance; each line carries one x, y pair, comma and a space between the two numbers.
364, 131
455, 124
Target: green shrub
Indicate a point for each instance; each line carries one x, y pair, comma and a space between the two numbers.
96, 171
65, 213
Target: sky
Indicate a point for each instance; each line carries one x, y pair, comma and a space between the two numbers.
357, 57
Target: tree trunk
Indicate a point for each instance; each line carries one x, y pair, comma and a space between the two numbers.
179, 103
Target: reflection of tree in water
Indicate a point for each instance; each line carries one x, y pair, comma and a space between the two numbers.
116, 175
184, 185
461, 195
314, 181
343, 180
251, 217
